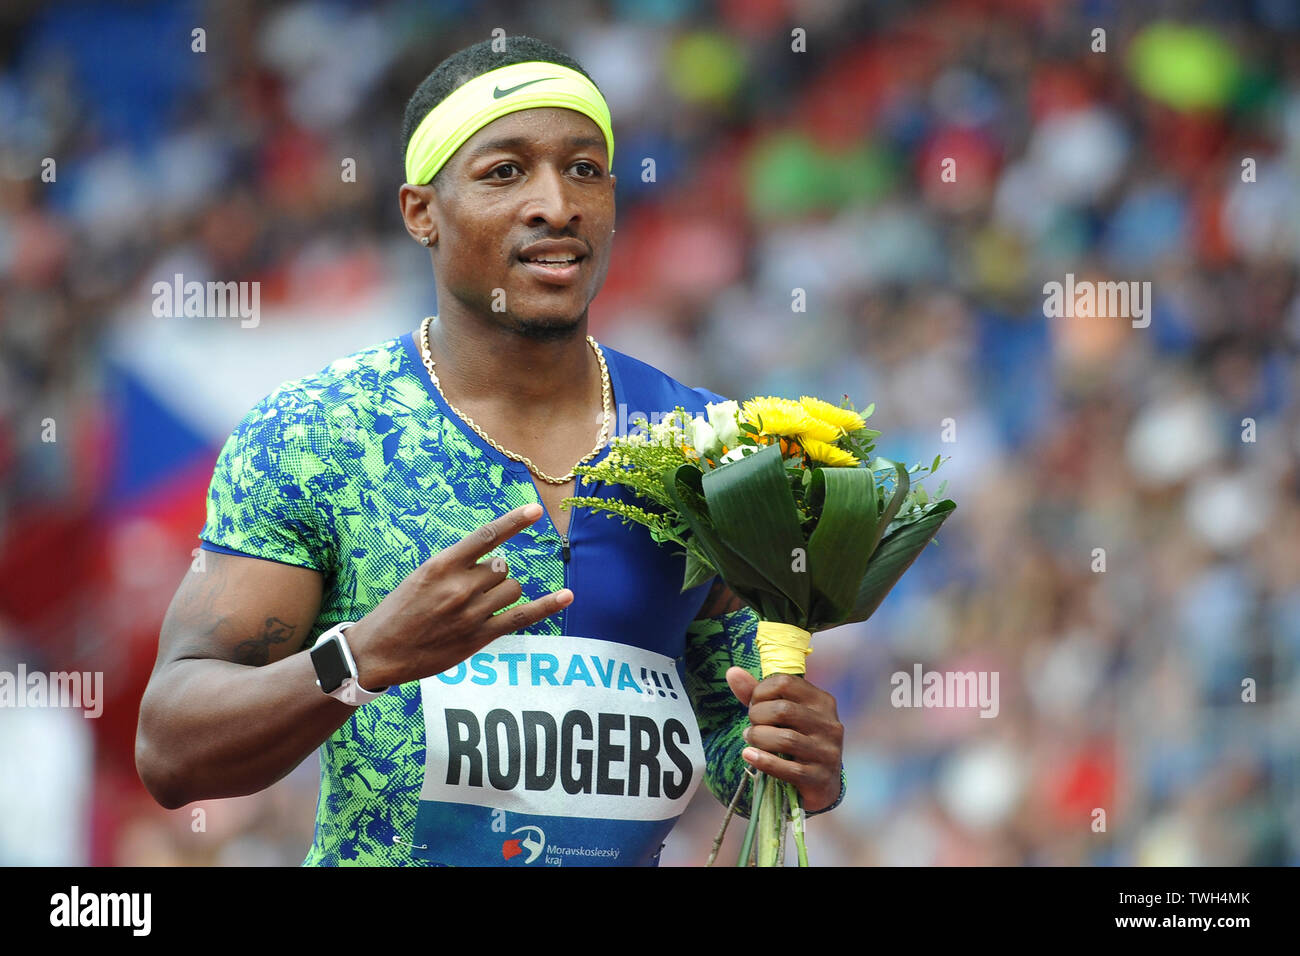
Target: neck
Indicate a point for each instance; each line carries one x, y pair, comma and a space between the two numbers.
485, 362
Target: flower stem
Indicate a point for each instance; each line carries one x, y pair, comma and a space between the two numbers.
746, 848
731, 809
769, 823
796, 811
784, 818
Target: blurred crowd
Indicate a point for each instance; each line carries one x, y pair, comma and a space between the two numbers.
873, 212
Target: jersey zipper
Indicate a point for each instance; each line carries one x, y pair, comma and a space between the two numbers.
564, 558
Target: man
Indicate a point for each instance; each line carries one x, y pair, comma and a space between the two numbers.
381, 512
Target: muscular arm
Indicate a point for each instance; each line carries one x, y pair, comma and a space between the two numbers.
231, 707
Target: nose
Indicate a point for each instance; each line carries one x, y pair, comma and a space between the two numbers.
550, 199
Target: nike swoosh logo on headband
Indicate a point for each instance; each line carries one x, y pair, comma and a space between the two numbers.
497, 92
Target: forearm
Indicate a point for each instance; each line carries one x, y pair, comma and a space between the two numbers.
713, 645
211, 728
725, 640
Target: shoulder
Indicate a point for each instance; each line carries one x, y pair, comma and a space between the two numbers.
337, 393
646, 385
375, 373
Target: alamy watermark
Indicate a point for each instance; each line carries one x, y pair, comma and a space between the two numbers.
946, 689
208, 300
628, 422
75, 908
83, 690
1088, 299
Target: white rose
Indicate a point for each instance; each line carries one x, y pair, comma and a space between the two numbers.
722, 416
702, 437
735, 454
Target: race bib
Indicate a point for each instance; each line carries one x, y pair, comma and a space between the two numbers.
555, 751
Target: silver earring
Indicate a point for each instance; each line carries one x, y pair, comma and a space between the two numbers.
424, 240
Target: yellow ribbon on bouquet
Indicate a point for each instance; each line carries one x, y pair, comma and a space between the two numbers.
782, 648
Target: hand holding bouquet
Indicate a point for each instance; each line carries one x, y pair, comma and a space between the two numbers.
784, 500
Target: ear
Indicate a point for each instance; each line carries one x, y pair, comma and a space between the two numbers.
419, 206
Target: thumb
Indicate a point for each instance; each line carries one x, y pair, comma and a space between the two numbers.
742, 683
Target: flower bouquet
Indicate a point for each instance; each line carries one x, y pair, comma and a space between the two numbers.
784, 500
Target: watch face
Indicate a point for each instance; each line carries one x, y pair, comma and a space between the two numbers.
331, 665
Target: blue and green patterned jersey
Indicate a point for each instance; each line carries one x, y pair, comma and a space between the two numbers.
361, 472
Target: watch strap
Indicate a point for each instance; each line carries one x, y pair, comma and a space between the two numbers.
350, 691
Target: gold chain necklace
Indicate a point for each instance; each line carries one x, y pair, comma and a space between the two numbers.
604, 397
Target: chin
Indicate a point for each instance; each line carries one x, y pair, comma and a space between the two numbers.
547, 328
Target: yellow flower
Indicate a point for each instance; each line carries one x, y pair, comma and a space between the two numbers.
828, 454
843, 419
780, 416
775, 416
818, 430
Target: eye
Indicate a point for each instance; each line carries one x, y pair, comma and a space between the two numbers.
594, 169
493, 173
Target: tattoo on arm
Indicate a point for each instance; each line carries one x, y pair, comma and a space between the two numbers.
257, 651
721, 600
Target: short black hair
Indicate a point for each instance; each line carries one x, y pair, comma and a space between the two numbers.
464, 65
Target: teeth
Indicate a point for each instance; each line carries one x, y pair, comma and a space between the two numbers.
555, 262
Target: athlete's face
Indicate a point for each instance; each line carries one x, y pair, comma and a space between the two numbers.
528, 177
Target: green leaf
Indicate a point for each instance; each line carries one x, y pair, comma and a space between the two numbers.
683, 485
894, 556
901, 485
841, 544
752, 509
698, 571
934, 466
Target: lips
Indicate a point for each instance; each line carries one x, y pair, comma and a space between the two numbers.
558, 272
554, 250
554, 260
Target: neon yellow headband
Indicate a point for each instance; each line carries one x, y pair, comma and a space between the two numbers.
519, 86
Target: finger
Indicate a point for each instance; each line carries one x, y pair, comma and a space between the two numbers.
482, 578
502, 594
803, 748
799, 774
808, 778
794, 688
818, 786
742, 683
484, 538
492, 572
791, 714
521, 616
